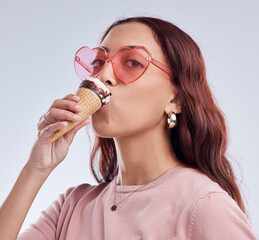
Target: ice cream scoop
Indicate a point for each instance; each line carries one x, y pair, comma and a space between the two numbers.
93, 95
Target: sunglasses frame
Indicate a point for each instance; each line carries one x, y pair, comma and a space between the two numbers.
149, 58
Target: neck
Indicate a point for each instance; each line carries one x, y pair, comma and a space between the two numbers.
143, 157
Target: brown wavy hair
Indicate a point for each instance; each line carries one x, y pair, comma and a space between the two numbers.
199, 139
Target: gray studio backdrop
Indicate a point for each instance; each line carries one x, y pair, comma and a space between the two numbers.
38, 43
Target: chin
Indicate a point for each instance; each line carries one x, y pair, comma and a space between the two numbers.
100, 127
106, 132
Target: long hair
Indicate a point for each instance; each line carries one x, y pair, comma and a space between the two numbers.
200, 137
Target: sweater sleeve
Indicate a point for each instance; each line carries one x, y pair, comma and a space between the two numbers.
217, 216
45, 227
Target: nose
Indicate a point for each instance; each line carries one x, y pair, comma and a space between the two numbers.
107, 75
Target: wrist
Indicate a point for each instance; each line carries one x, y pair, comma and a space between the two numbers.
38, 172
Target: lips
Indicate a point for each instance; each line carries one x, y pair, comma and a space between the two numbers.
101, 110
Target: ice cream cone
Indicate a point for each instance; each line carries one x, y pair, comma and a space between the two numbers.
90, 103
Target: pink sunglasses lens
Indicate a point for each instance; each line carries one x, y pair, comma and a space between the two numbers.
130, 64
84, 62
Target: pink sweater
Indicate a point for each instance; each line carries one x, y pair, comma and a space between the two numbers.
184, 204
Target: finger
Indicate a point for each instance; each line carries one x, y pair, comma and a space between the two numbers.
71, 134
46, 134
65, 110
72, 97
69, 97
40, 123
43, 122
69, 106
55, 115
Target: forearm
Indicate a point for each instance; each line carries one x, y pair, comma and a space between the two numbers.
16, 206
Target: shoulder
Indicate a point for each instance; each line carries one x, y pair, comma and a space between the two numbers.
213, 213
75, 193
217, 216
69, 199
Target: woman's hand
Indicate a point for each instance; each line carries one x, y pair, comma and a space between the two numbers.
46, 156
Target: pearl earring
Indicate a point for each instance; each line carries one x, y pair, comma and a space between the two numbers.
171, 120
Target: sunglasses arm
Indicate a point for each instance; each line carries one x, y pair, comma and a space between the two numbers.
81, 63
161, 66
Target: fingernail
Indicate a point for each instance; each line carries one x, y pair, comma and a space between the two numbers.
77, 117
78, 107
76, 97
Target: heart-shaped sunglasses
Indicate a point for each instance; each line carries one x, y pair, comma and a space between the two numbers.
129, 63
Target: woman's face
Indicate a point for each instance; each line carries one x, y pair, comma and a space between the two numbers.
140, 105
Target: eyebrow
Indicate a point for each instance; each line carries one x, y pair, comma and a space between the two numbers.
108, 50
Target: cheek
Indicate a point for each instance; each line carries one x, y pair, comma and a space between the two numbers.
133, 109
142, 108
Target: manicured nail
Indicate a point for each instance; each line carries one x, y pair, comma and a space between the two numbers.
76, 97
77, 117
78, 107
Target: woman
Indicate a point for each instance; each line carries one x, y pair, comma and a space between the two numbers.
163, 173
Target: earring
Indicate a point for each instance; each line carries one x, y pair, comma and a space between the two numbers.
171, 120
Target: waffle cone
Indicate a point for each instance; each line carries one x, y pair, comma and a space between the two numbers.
90, 103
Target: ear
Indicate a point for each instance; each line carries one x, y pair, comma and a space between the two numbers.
173, 105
